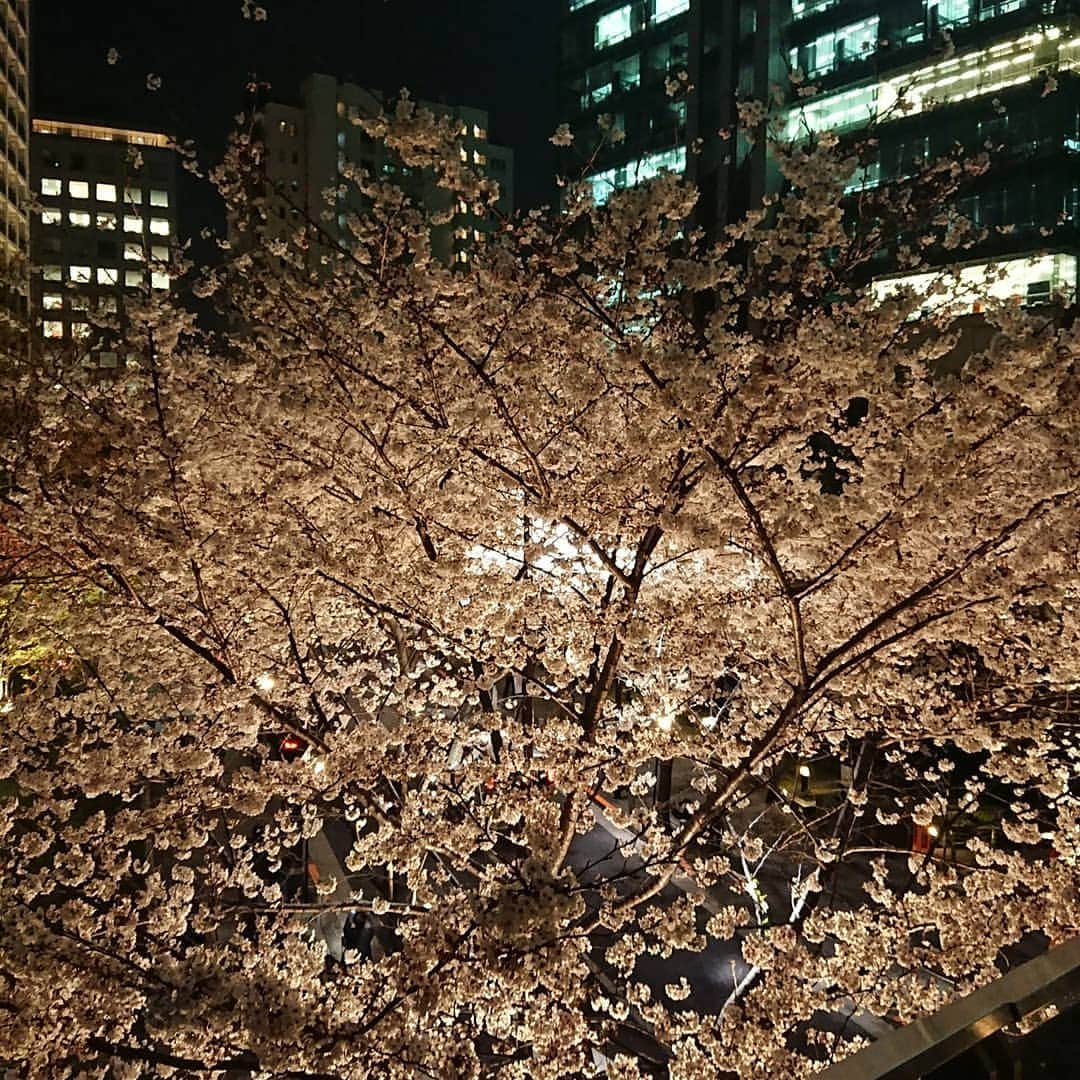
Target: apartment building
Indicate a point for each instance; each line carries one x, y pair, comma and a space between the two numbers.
311, 146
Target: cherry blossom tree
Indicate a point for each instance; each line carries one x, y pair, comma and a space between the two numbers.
393, 602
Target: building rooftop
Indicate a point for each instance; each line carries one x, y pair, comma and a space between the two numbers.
101, 133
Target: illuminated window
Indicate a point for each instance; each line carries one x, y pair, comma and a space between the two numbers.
105, 192
849, 108
106, 221
595, 95
133, 195
80, 303
478, 132
133, 251
159, 252
159, 198
1001, 7
51, 186
978, 73
133, 278
665, 9
636, 172
952, 12
52, 273
79, 218
51, 217
53, 329
830, 50
613, 27
132, 224
159, 226
80, 330
800, 8
865, 176
627, 73
1021, 281
108, 275
52, 301
107, 305
80, 274
159, 280
78, 189
606, 79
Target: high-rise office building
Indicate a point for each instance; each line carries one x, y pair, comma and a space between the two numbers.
104, 231
667, 74
616, 59
15, 156
996, 75
311, 146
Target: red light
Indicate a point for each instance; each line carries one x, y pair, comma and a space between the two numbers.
291, 745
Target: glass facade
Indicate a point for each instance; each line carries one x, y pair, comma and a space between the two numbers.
832, 48
945, 76
988, 76
636, 172
616, 63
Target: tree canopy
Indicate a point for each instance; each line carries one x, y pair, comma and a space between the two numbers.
590, 625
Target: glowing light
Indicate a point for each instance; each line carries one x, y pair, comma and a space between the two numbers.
804, 770
959, 78
933, 831
963, 288
664, 723
318, 765
265, 682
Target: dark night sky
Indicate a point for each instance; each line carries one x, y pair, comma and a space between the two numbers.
497, 54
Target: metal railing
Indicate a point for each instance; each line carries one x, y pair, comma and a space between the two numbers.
921, 1047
